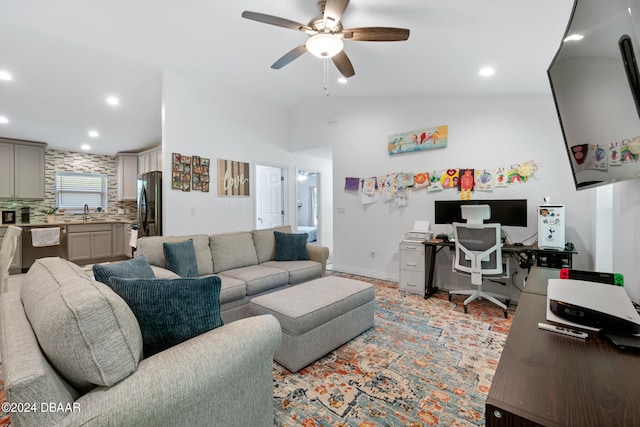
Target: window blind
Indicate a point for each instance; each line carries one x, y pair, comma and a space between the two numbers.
74, 190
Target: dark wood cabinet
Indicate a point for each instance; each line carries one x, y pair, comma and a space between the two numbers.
548, 379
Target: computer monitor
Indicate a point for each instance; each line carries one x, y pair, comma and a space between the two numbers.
506, 212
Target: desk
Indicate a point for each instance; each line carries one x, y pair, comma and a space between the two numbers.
550, 379
536, 256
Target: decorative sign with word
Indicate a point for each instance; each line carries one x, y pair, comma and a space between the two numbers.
233, 178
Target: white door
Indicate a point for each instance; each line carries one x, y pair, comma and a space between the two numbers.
269, 200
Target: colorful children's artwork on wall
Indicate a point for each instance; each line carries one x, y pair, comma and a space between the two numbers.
434, 182
423, 139
466, 183
233, 178
501, 178
405, 179
351, 184
449, 178
388, 186
368, 190
485, 180
420, 180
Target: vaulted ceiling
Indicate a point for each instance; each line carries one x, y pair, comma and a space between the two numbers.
66, 56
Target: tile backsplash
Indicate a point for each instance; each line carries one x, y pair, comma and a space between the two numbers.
76, 162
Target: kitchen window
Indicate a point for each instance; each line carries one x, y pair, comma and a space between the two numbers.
74, 190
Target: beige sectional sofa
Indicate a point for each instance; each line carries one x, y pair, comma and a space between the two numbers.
72, 356
245, 261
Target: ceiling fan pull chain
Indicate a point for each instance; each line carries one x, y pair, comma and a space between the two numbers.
326, 76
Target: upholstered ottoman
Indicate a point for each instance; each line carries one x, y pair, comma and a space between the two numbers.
317, 317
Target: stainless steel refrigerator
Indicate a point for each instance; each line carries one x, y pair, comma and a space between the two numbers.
150, 204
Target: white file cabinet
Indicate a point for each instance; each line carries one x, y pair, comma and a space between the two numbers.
412, 265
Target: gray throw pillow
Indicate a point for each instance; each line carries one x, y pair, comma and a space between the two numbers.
170, 311
291, 246
181, 258
137, 267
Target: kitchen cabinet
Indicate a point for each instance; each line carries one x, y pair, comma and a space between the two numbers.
150, 160
89, 242
127, 176
16, 262
412, 263
21, 169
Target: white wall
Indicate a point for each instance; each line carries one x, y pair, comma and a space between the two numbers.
211, 121
483, 133
626, 235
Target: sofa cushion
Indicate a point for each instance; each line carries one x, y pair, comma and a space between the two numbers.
265, 242
291, 246
232, 250
88, 333
181, 258
259, 278
231, 289
299, 271
151, 247
135, 267
171, 311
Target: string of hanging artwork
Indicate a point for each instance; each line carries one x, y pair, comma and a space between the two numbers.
396, 186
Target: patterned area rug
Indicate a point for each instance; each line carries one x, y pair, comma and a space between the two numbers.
425, 363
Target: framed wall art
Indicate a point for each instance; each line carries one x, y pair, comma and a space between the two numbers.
233, 178
416, 140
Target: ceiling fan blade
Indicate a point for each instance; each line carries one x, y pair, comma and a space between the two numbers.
376, 34
333, 11
276, 20
343, 64
289, 56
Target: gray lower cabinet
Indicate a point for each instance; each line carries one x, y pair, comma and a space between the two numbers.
89, 242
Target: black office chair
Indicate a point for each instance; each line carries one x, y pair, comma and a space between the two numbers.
478, 252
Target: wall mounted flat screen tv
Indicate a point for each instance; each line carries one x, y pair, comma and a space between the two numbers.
596, 87
510, 212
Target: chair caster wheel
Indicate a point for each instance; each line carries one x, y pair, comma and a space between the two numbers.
449, 297
465, 308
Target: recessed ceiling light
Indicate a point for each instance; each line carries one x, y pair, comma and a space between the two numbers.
112, 100
574, 38
4, 75
94, 133
487, 72
342, 80
4, 120
85, 147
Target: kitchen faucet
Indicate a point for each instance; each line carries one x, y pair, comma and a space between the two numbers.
86, 213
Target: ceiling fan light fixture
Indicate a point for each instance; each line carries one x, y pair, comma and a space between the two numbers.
324, 45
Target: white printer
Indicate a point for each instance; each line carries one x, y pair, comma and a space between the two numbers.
420, 232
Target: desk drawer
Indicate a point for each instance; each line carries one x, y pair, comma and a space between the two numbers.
412, 247
411, 281
413, 261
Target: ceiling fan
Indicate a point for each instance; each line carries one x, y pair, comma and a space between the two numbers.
326, 34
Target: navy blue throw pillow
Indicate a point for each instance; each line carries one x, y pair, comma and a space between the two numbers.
170, 311
137, 267
181, 258
291, 246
